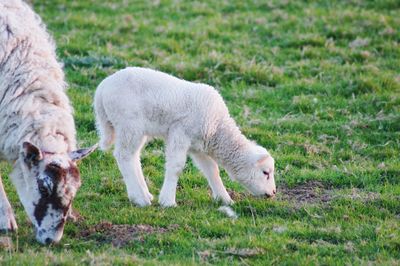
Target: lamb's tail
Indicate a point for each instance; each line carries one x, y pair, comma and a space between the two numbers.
104, 127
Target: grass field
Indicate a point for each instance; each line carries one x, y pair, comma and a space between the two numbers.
315, 82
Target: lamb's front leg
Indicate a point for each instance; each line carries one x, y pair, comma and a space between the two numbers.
176, 153
210, 169
7, 219
127, 153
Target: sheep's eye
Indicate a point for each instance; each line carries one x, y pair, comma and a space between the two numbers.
266, 173
43, 191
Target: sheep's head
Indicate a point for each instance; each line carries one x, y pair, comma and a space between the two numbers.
48, 185
257, 173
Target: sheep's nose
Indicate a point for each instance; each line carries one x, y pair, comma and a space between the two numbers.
48, 241
274, 192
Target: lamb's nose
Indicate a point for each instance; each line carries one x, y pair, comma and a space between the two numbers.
271, 195
48, 241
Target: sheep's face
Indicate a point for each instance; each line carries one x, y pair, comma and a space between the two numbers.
51, 181
258, 175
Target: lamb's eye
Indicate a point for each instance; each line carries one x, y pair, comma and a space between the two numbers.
266, 173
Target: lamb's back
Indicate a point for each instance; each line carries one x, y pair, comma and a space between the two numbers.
160, 99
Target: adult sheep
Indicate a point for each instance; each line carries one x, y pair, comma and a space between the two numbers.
37, 131
136, 103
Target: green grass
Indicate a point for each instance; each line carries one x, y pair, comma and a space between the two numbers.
315, 82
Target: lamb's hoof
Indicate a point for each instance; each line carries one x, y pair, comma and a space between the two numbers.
226, 201
7, 221
166, 202
142, 202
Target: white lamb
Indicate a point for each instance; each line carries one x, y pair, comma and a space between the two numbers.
137, 103
37, 131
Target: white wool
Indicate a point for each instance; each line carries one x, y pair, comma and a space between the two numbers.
136, 103
33, 104
34, 108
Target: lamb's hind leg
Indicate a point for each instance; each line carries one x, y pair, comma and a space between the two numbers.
210, 169
139, 169
7, 219
176, 153
127, 153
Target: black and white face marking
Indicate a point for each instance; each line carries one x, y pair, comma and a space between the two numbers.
52, 181
57, 186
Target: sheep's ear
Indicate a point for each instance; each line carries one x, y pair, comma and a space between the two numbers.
82, 153
32, 154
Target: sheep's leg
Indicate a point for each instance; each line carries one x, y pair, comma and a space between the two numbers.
210, 169
127, 153
176, 153
7, 219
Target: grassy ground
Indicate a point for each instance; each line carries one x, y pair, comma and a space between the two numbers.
315, 82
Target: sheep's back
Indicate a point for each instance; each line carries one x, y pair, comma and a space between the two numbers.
31, 80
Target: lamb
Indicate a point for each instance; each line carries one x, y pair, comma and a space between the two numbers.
135, 104
37, 130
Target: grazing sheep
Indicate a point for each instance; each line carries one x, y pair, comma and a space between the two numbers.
136, 103
37, 131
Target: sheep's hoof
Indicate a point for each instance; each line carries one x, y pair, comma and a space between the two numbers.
7, 221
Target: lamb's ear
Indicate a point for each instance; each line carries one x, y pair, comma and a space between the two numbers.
82, 153
32, 154
259, 159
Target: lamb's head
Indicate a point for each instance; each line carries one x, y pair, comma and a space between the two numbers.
50, 182
257, 172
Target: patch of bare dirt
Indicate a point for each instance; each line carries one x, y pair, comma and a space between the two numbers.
314, 192
307, 193
121, 234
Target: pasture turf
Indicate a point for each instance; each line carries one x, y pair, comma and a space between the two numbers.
315, 82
